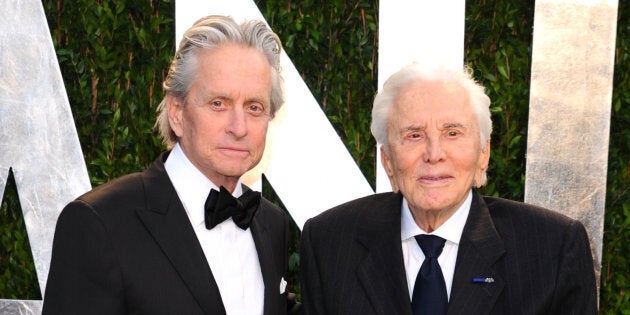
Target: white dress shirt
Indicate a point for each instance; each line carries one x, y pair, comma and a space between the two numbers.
230, 251
451, 230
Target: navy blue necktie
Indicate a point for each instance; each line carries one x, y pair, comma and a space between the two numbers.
429, 293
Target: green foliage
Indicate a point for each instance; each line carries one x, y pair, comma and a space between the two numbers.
340, 41
333, 46
498, 50
293, 282
113, 57
615, 279
17, 271
114, 54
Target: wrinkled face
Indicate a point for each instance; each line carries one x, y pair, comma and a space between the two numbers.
433, 155
223, 124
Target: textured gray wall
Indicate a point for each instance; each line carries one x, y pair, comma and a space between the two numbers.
569, 110
38, 139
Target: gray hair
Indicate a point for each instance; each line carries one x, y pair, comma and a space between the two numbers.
416, 72
209, 33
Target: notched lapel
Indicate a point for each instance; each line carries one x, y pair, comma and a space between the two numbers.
382, 271
264, 248
166, 220
384, 283
480, 249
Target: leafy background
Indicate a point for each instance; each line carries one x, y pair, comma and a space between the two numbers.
114, 55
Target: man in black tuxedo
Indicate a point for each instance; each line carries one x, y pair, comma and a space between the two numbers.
174, 239
435, 245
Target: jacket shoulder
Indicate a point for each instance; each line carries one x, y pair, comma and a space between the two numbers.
273, 214
360, 207
120, 191
521, 219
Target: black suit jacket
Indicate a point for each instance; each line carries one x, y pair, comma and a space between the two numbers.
351, 261
128, 247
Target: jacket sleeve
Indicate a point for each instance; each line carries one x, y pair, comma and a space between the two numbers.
84, 276
310, 282
577, 291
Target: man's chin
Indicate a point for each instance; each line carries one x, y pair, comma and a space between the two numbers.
235, 172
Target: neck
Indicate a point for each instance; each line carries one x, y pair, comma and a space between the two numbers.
431, 220
228, 183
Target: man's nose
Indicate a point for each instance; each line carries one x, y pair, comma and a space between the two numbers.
237, 124
433, 151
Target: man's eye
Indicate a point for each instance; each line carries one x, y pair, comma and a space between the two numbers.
452, 133
255, 108
216, 104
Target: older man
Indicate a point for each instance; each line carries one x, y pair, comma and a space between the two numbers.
435, 245
175, 239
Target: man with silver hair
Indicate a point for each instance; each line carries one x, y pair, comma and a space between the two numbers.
435, 245
186, 236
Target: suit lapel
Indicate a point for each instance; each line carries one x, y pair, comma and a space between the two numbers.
166, 220
268, 265
479, 249
382, 271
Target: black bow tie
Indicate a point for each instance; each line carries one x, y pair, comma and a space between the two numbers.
222, 205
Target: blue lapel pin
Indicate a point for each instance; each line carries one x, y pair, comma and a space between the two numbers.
483, 280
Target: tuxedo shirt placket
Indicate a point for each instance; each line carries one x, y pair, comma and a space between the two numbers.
451, 230
225, 246
230, 251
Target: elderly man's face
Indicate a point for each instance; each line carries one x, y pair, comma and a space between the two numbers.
223, 125
434, 156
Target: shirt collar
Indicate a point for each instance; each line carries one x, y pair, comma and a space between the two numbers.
451, 230
191, 185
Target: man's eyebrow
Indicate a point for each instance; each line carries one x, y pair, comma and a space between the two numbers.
413, 128
453, 125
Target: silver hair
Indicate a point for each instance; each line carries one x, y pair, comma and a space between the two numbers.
416, 72
209, 33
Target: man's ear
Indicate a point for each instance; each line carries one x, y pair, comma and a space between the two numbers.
175, 108
387, 165
385, 162
485, 156
482, 166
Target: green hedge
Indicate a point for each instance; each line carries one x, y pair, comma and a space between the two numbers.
114, 54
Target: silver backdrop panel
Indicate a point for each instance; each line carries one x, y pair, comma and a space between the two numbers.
569, 110
20, 307
38, 139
